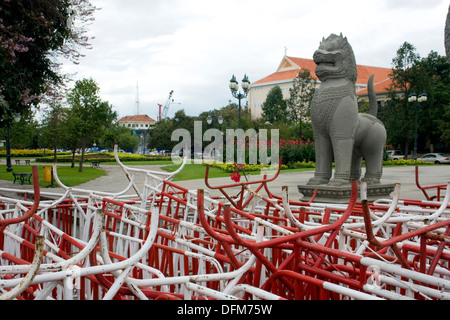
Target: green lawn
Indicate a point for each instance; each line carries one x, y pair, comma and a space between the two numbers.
68, 176
197, 171
71, 177
139, 163
194, 171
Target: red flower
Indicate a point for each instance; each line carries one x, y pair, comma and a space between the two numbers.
236, 177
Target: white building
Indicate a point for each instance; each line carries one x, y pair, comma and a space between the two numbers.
140, 122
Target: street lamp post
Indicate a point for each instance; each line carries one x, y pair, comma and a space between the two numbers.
217, 155
8, 141
209, 119
413, 98
143, 135
234, 86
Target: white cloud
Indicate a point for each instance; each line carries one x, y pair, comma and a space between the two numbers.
194, 46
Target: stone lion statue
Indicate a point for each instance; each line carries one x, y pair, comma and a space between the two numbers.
340, 131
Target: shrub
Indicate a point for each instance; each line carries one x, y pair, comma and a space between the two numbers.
106, 157
403, 162
294, 151
26, 153
302, 164
230, 167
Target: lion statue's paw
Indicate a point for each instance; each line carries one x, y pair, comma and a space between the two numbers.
338, 182
317, 181
371, 181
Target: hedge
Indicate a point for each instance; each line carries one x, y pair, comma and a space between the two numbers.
406, 163
230, 167
26, 153
294, 151
106, 157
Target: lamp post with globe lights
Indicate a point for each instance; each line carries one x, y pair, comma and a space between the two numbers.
234, 87
411, 99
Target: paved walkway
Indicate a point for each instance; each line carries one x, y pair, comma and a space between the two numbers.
115, 180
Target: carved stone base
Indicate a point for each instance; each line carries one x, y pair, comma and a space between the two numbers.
342, 194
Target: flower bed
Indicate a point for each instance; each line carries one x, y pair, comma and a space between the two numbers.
297, 151
231, 167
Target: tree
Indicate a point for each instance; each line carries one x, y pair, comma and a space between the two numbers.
89, 114
434, 80
55, 129
274, 108
443, 123
72, 137
121, 136
33, 34
24, 133
398, 116
429, 75
230, 118
160, 135
300, 97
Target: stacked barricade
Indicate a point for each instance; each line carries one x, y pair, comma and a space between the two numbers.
168, 242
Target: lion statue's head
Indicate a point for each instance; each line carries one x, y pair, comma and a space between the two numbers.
335, 59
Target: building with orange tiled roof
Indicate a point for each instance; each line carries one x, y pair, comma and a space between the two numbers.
139, 122
288, 69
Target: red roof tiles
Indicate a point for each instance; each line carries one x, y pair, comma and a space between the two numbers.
138, 118
278, 76
380, 87
381, 81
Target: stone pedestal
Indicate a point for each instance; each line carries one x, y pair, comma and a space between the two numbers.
341, 194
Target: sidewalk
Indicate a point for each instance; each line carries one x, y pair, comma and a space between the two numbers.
428, 175
115, 181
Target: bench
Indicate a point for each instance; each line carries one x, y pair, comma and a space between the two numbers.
27, 162
96, 164
22, 177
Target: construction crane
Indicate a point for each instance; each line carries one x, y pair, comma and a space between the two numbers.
163, 114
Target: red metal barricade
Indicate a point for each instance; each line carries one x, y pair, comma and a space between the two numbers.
176, 243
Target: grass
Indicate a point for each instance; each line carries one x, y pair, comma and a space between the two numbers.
140, 163
71, 177
194, 171
197, 171
68, 176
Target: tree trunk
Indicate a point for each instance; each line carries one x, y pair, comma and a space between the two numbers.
406, 150
73, 158
83, 147
55, 151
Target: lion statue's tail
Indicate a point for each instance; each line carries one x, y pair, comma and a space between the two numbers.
373, 104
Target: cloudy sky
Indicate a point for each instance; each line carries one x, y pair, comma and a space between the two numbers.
194, 46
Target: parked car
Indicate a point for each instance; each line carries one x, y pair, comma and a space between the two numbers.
395, 155
435, 157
